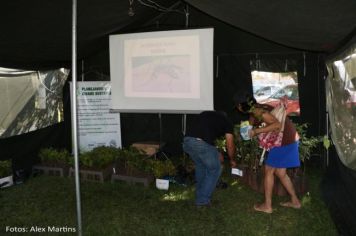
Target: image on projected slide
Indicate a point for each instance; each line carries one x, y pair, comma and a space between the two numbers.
162, 76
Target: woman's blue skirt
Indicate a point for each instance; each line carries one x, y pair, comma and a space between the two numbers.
284, 157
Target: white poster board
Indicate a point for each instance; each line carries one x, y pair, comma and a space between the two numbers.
96, 125
162, 71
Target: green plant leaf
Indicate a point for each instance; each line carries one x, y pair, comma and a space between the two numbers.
326, 142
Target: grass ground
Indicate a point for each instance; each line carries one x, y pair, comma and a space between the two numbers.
121, 209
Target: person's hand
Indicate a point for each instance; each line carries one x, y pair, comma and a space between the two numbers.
233, 164
252, 133
221, 157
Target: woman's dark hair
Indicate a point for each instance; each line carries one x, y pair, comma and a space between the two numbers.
248, 104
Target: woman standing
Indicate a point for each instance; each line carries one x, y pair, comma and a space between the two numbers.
279, 158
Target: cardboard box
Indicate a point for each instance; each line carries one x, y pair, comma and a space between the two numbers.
150, 148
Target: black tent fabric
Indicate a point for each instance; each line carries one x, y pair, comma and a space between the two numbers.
37, 33
23, 149
317, 25
339, 191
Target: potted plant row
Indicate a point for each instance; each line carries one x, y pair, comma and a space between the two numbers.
132, 166
53, 162
135, 166
162, 170
6, 177
126, 164
96, 165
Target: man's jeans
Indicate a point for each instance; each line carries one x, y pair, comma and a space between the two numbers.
207, 167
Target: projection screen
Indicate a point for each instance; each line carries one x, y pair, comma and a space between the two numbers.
162, 72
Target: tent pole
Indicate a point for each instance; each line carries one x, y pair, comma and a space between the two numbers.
184, 131
82, 70
327, 133
74, 115
186, 16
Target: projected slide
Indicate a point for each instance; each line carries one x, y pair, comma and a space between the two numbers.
160, 76
162, 67
165, 71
